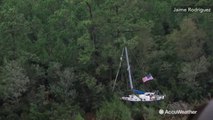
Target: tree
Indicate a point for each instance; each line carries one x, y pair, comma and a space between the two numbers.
79, 117
13, 80
187, 45
13, 33
190, 70
189, 41
113, 110
62, 83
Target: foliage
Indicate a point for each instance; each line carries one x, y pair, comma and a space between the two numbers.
13, 80
58, 59
113, 110
79, 117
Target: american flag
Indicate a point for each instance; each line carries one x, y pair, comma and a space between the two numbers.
147, 78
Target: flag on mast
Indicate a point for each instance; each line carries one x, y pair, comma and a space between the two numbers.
147, 78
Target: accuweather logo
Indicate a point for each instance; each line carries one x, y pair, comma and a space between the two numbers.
173, 112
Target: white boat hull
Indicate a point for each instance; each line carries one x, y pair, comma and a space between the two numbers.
147, 97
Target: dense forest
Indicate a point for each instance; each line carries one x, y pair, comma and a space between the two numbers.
59, 58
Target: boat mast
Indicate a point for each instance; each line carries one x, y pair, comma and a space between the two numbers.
128, 68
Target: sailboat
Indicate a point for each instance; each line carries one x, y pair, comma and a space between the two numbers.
137, 95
